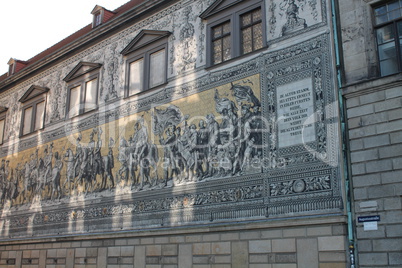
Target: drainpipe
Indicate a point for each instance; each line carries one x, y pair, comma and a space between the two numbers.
344, 134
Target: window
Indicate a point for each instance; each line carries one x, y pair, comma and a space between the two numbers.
146, 61
388, 20
234, 29
251, 31
11, 69
33, 110
2, 123
221, 43
83, 88
83, 97
97, 19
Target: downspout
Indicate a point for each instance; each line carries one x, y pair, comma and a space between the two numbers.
344, 135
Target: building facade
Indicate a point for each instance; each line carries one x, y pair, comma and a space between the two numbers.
372, 95
184, 134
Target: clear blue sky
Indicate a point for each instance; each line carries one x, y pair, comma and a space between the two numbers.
27, 27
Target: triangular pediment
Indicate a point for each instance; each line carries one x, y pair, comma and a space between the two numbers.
97, 8
33, 92
144, 38
81, 69
11, 61
218, 6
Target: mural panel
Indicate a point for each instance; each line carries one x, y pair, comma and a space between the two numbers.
289, 17
214, 134
254, 141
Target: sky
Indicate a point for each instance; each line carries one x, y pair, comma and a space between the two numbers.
28, 27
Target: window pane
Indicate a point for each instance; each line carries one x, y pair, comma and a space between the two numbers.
217, 32
157, 69
387, 51
388, 67
257, 33
394, 14
74, 107
246, 19
217, 51
221, 43
98, 19
26, 128
90, 94
385, 34
388, 61
388, 12
257, 15
393, 6
1, 131
381, 19
226, 48
247, 40
251, 32
226, 28
136, 76
40, 115
380, 11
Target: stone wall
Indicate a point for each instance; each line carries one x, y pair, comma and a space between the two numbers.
303, 243
375, 131
358, 40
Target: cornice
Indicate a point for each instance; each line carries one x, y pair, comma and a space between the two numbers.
372, 85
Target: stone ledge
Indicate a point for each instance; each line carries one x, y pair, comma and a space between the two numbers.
372, 85
210, 228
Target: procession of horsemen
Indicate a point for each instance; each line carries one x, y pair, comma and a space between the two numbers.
184, 150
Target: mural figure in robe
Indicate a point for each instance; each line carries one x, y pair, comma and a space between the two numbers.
108, 165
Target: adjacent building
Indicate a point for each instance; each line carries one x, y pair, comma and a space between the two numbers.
371, 90
207, 134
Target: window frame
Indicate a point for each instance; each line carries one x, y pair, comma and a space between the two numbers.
97, 19
397, 42
11, 69
33, 103
233, 14
82, 82
3, 113
145, 53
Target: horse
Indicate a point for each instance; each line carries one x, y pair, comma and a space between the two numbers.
86, 174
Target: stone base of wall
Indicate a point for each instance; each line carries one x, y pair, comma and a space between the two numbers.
315, 242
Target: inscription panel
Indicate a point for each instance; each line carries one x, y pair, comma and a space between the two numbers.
295, 105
